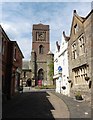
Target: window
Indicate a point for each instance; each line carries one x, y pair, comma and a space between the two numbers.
74, 52
75, 28
81, 45
41, 49
80, 74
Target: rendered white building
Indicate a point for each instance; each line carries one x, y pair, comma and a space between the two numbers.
61, 60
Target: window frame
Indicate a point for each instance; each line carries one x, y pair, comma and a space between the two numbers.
41, 49
81, 44
74, 51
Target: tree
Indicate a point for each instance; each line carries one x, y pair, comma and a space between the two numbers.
51, 70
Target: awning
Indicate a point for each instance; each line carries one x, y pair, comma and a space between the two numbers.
56, 76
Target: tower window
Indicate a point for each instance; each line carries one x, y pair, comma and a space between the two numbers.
41, 49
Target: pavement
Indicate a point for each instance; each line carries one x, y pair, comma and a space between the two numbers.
61, 109
77, 109
49, 104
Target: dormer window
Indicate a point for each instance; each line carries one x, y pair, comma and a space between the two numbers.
75, 28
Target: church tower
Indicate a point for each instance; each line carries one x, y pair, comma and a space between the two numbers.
40, 49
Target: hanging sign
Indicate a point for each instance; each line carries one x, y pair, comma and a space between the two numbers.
59, 69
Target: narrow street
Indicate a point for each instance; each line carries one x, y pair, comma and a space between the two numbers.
35, 104
45, 104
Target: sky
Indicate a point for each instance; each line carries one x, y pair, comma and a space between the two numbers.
17, 19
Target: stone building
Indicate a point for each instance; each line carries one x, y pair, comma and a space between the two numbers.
80, 54
11, 59
40, 55
26, 73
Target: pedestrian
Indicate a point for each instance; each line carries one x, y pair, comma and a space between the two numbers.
29, 83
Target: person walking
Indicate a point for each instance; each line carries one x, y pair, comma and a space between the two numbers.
29, 83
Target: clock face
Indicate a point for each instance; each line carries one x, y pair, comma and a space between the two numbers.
41, 35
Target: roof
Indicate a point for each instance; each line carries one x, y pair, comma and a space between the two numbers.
2, 30
50, 52
66, 37
80, 18
40, 26
18, 48
89, 13
25, 65
4, 33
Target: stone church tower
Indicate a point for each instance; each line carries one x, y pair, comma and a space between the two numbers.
40, 53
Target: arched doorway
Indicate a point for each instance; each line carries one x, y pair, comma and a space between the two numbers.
28, 82
41, 74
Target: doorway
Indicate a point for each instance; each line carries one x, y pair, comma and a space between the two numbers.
41, 74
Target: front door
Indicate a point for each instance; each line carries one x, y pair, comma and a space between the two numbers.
41, 74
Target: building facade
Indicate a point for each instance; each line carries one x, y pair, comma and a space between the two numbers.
61, 73
40, 54
80, 54
11, 65
16, 67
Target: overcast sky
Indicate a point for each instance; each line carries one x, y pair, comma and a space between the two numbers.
18, 17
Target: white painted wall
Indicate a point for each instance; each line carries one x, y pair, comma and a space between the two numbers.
61, 59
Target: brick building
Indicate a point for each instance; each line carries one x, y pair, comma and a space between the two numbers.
16, 67
80, 54
41, 55
11, 59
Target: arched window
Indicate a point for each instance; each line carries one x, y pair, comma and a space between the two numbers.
41, 49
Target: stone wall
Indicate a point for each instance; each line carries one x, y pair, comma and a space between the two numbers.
83, 60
